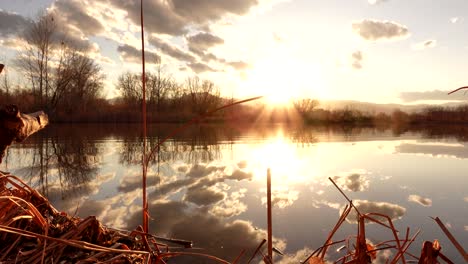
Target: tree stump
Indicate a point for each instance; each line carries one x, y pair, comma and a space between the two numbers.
16, 126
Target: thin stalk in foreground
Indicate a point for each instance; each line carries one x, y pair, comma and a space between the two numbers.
143, 111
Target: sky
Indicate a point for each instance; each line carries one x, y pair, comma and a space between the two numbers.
381, 51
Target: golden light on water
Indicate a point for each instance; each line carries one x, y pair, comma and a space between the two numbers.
281, 156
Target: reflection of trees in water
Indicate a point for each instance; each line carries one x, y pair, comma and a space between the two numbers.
304, 136
70, 163
77, 162
195, 145
459, 132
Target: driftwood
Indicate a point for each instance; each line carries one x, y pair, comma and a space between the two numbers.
16, 126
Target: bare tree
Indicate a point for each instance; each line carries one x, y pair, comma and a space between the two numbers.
129, 85
36, 59
305, 106
204, 95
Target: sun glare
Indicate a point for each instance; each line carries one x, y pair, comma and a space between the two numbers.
281, 79
280, 156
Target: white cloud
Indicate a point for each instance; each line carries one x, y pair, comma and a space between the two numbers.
420, 200
355, 182
374, 2
393, 211
455, 20
376, 30
281, 197
231, 206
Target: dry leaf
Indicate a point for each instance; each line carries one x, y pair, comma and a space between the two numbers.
371, 251
316, 260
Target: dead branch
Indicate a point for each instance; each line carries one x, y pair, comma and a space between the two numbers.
16, 126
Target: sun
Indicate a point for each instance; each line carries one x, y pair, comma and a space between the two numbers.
282, 79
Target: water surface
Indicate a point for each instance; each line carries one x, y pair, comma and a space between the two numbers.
207, 184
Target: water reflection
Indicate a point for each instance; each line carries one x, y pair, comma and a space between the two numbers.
207, 184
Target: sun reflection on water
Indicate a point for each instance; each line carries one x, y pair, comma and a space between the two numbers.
282, 157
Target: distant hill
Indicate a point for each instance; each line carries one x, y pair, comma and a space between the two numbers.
376, 108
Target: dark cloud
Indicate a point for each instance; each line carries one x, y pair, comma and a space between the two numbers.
171, 50
374, 30
203, 196
393, 211
199, 67
240, 175
166, 189
172, 17
432, 95
159, 16
201, 11
131, 183
199, 171
133, 55
420, 200
356, 60
354, 182
201, 42
216, 236
12, 24
73, 12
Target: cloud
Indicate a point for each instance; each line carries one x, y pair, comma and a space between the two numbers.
374, 2
238, 65
375, 30
159, 16
437, 95
171, 50
199, 171
420, 200
431, 43
393, 211
240, 175
455, 20
296, 257
281, 197
354, 182
434, 150
242, 164
318, 204
224, 239
356, 59
12, 24
202, 11
201, 42
231, 206
133, 55
203, 196
200, 177
74, 13
199, 67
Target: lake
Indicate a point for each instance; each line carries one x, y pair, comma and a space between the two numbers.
208, 183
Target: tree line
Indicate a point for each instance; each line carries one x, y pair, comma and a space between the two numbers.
63, 80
